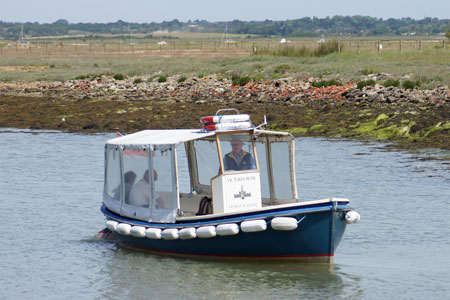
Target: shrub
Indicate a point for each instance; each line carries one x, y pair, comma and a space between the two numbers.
409, 84
367, 71
324, 83
82, 77
365, 83
238, 80
281, 68
95, 65
162, 78
391, 82
118, 77
201, 75
137, 80
181, 79
328, 47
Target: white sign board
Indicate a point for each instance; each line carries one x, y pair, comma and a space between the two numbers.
236, 192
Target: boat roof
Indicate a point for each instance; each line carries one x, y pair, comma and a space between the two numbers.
176, 136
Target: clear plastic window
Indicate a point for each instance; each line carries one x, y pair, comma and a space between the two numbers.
136, 177
264, 174
162, 172
113, 176
237, 151
207, 160
281, 170
184, 182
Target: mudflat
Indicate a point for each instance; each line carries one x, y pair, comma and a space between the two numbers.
411, 118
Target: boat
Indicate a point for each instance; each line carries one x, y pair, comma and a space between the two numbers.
217, 194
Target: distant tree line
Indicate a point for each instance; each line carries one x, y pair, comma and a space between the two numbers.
304, 27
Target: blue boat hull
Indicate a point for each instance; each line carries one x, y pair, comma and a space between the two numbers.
320, 229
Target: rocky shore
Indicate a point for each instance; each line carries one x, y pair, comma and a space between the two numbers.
411, 117
296, 91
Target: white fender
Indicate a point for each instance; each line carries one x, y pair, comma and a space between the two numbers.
253, 226
352, 217
153, 233
284, 223
124, 228
170, 234
227, 229
138, 231
112, 225
206, 232
187, 233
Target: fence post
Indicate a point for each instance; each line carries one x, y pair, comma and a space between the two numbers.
400, 46
443, 41
90, 48
132, 48
359, 50
45, 48
378, 46
339, 46
104, 47
146, 47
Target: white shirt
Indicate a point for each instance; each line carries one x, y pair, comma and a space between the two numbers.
140, 194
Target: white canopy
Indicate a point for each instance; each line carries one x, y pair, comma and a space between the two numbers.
160, 137
175, 136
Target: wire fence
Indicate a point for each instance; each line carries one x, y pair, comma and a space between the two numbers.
208, 48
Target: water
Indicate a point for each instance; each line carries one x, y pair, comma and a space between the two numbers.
51, 187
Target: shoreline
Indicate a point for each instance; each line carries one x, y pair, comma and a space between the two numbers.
412, 119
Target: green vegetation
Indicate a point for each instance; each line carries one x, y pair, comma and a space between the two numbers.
391, 82
240, 80
409, 84
304, 27
118, 77
182, 79
162, 78
431, 67
363, 83
324, 48
367, 71
325, 83
137, 80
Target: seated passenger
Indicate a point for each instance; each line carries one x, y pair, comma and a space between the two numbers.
238, 159
140, 192
129, 178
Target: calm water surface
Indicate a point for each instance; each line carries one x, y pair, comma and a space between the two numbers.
51, 187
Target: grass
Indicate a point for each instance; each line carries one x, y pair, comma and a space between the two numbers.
430, 67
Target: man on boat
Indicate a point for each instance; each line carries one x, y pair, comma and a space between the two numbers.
140, 193
238, 159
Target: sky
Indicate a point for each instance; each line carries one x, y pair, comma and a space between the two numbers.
146, 11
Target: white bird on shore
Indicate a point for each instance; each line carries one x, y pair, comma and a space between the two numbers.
63, 119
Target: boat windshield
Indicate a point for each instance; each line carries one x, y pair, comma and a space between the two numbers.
237, 152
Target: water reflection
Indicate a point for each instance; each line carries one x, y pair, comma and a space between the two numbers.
133, 274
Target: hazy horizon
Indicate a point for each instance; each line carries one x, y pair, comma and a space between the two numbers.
141, 11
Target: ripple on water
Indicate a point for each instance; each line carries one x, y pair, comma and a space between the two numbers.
52, 187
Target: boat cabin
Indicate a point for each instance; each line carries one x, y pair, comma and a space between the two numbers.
163, 175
